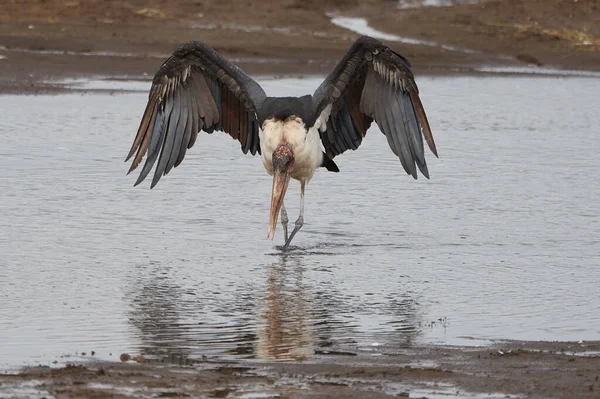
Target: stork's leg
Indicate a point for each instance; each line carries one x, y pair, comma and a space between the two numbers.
284, 220
300, 221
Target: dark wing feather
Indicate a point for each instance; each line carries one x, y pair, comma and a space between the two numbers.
372, 82
195, 89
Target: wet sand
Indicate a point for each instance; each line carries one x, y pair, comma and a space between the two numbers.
510, 369
54, 39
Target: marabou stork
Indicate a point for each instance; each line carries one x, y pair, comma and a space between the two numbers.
198, 89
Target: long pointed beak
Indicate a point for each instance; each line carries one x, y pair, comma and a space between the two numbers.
280, 184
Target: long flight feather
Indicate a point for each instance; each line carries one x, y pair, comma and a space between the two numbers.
178, 149
146, 140
187, 135
148, 112
157, 136
168, 140
423, 121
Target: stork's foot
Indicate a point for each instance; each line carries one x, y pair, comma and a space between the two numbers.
284, 221
298, 225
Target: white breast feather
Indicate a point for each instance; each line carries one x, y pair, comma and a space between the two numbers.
306, 146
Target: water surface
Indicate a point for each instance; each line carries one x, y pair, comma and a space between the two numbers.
502, 243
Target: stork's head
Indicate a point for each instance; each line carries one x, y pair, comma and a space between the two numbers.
283, 164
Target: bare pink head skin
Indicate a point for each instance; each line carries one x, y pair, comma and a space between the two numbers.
283, 164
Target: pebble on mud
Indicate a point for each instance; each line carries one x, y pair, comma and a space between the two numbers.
125, 357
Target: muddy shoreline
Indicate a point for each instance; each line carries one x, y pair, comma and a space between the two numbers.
52, 39
508, 369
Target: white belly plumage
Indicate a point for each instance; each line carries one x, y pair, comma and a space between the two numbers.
306, 146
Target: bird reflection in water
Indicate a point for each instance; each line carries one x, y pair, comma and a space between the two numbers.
284, 332
297, 308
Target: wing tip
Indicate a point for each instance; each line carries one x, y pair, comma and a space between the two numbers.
432, 147
141, 177
137, 182
424, 170
133, 167
156, 178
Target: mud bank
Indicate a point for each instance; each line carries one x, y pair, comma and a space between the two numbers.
510, 369
42, 40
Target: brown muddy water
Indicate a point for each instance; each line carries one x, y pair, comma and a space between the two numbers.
502, 243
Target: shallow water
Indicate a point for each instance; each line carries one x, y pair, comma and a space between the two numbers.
361, 26
432, 3
502, 242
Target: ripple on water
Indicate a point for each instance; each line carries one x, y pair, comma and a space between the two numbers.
500, 243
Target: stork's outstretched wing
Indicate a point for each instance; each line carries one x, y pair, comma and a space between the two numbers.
195, 89
372, 82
